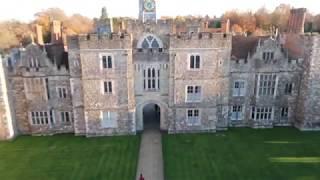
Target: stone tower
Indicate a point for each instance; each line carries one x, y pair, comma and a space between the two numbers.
296, 21
147, 11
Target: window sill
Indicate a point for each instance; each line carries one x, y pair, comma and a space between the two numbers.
193, 125
193, 101
195, 70
236, 120
109, 127
156, 90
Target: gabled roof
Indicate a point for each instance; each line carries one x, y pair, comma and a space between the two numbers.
294, 44
243, 45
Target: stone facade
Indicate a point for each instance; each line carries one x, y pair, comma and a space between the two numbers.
308, 115
7, 121
201, 77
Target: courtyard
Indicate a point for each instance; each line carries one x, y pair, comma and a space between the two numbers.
69, 157
243, 154
239, 154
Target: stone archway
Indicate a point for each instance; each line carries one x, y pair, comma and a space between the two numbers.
162, 110
149, 41
151, 116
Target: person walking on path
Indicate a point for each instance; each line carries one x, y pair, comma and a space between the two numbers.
141, 177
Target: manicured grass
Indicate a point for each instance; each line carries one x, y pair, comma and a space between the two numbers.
243, 154
69, 157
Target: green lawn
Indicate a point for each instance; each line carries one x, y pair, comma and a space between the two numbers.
69, 157
243, 154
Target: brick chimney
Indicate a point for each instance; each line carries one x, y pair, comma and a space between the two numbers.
56, 34
39, 35
296, 20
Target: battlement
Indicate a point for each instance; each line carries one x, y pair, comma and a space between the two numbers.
201, 40
104, 37
201, 36
97, 41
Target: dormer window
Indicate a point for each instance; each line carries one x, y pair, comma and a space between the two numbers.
268, 56
33, 63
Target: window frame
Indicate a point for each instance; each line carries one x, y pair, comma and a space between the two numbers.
236, 92
266, 86
268, 55
64, 92
288, 89
193, 93
101, 60
103, 87
64, 119
262, 113
239, 114
39, 118
284, 110
194, 121
113, 123
195, 62
151, 83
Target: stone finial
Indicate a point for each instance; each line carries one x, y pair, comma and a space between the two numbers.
104, 14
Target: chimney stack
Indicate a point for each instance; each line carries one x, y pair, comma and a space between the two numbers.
39, 35
296, 20
56, 34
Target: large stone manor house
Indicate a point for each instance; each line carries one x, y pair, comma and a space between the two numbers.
196, 76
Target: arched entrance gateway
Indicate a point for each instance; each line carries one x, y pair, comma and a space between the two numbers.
151, 116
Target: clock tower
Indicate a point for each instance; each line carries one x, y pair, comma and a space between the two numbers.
147, 10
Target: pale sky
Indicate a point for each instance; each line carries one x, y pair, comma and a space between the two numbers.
25, 9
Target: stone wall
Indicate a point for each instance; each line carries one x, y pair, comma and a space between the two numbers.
249, 70
7, 121
35, 89
309, 115
214, 50
94, 100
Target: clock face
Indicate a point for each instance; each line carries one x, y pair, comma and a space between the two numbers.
149, 5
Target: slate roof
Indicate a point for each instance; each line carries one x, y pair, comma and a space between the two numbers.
292, 45
57, 55
242, 45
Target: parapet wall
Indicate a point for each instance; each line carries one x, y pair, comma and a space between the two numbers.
96, 41
201, 40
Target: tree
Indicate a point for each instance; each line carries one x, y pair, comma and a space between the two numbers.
280, 16
7, 39
79, 24
12, 33
45, 17
263, 19
236, 28
248, 22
